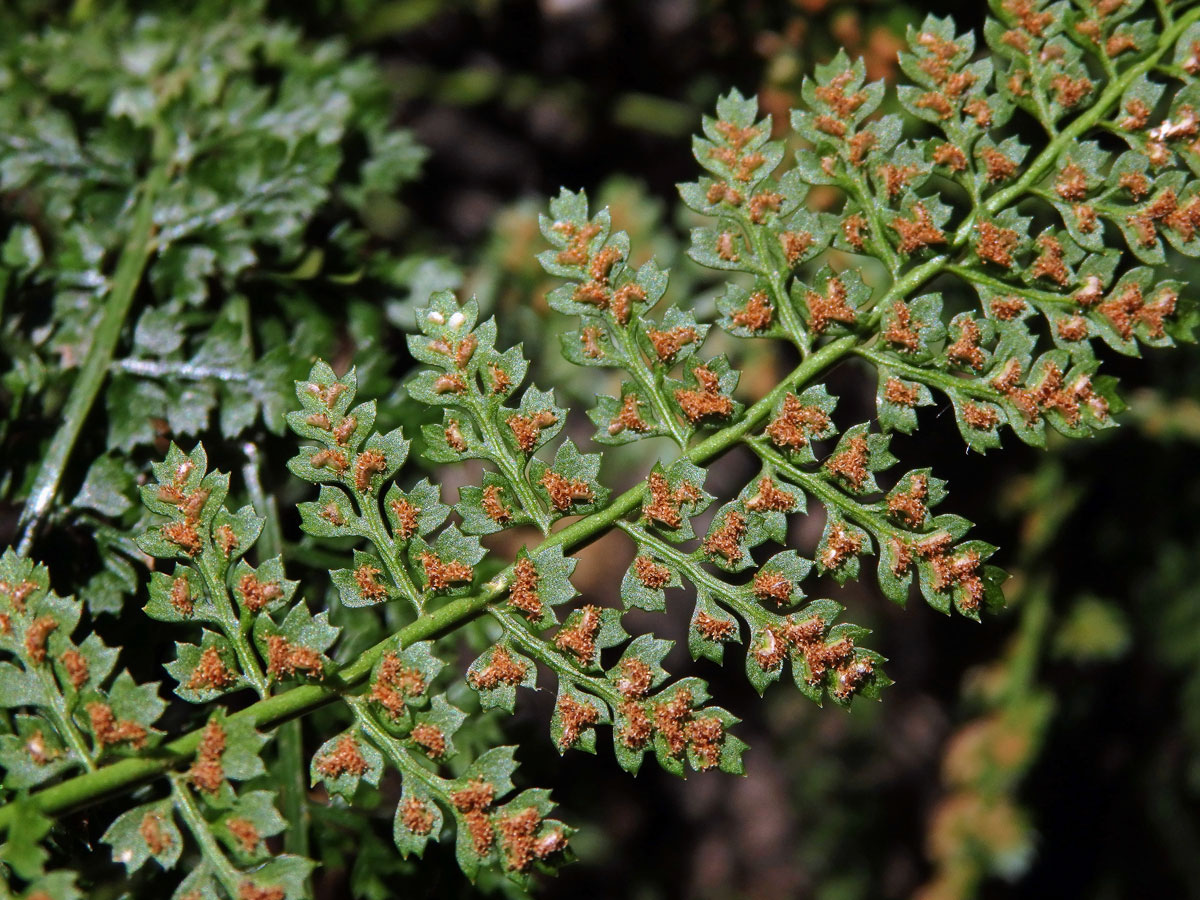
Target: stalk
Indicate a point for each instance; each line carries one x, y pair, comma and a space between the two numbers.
140, 246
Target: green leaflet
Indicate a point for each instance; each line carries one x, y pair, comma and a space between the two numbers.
1009, 264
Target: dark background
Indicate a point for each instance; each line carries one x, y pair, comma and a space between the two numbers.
1052, 751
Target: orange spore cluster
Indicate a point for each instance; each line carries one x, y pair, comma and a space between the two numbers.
651, 574
725, 540
344, 759
1007, 308
501, 381
211, 673
665, 505
206, 772
565, 492
899, 393
249, 890
714, 629
183, 535
628, 417
181, 595
756, 315
675, 721
36, 635
706, 400
76, 666
796, 423
909, 506
917, 232
999, 167
519, 838
996, 244
528, 429
440, 575
366, 579
395, 682
158, 839
451, 383
983, 418
580, 638
1071, 183
244, 833
668, 343
763, 203
769, 584
368, 464
430, 738
473, 802
832, 307
406, 518
108, 730
840, 545
523, 595
635, 679
256, 594
850, 464
901, 330
1049, 262
855, 229
769, 497
578, 240
795, 244
1070, 91
965, 349
896, 178
285, 659
416, 816
334, 460
951, 157
636, 729
1072, 328
949, 570
454, 436
574, 718
501, 669
327, 394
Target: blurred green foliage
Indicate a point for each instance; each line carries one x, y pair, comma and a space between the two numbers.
1085, 717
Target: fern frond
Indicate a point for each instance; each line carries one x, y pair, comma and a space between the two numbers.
971, 270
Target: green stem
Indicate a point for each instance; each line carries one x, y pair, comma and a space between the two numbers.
943, 381
902, 287
829, 495
62, 718
1032, 627
975, 276
378, 535
729, 595
289, 741
138, 249
270, 712
650, 384
512, 468
395, 751
549, 656
783, 302
235, 629
230, 878
859, 192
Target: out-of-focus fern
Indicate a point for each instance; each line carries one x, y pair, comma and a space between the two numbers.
180, 188
1056, 245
